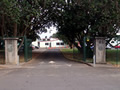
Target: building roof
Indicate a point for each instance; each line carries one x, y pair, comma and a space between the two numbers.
49, 39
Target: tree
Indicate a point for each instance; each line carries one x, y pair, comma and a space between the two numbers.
74, 18
88, 18
8, 14
22, 17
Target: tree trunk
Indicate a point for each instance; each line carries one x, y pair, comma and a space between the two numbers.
44, 4
2, 25
79, 48
76, 45
15, 29
21, 44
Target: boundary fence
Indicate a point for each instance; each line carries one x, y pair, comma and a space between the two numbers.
88, 49
25, 52
2, 51
113, 51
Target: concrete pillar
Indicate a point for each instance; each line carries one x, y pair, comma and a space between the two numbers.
11, 51
100, 50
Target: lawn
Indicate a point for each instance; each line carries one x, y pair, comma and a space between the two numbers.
67, 50
112, 56
74, 54
68, 53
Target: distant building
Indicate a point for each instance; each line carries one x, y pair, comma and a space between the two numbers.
118, 33
50, 43
36, 43
115, 41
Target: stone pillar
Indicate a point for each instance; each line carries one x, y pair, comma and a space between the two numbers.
11, 51
100, 50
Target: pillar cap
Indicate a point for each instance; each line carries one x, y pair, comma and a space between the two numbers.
9, 38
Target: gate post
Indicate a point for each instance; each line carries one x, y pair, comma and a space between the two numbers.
11, 51
84, 49
25, 49
100, 50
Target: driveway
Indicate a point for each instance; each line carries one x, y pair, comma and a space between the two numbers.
51, 71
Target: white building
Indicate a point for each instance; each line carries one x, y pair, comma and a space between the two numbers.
36, 43
50, 43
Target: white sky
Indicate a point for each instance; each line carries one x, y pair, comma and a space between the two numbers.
50, 32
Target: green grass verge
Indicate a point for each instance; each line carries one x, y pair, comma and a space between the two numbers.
113, 56
74, 54
67, 50
77, 57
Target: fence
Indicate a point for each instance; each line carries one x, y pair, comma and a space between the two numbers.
87, 53
28, 49
25, 52
2, 51
113, 51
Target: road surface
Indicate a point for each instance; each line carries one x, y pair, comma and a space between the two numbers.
51, 71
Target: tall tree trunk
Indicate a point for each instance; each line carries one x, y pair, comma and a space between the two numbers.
15, 30
76, 45
24, 31
44, 4
2, 25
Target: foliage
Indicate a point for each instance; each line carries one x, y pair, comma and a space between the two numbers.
62, 37
88, 18
74, 18
22, 17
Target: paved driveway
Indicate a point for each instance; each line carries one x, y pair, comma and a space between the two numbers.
51, 71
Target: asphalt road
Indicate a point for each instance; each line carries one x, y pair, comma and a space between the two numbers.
51, 71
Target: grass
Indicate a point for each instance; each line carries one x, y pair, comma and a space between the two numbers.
67, 50
112, 57
68, 53
74, 54
77, 56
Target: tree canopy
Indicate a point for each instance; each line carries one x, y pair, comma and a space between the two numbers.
88, 18
22, 17
74, 19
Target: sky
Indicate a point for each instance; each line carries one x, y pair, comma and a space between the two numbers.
50, 32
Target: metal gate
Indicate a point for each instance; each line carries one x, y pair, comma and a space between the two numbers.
88, 49
86, 54
25, 51
28, 49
